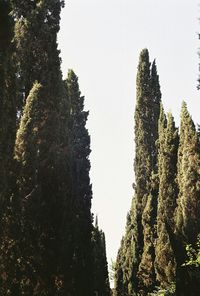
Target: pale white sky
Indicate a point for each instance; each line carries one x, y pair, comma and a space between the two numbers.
101, 40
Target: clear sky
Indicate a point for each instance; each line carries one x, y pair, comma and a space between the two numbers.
101, 41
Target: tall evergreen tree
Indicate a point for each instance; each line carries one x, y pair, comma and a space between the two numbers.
27, 154
168, 192
43, 209
144, 211
79, 147
187, 213
38, 153
143, 145
50, 245
188, 210
146, 135
156, 100
61, 234
143, 139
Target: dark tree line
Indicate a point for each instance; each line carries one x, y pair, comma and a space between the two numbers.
48, 245
165, 212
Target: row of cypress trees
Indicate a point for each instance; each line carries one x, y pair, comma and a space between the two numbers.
48, 243
164, 215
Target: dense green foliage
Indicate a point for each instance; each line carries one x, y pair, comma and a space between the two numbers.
7, 96
164, 215
168, 146
138, 244
80, 192
101, 279
187, 222
48, 243
125, 267
8, 252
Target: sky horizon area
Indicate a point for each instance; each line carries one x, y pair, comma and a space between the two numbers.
101, 41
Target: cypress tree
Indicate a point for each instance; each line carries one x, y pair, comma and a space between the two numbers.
187, 213
143, 153
27, 150
140, 274
50, 246
168, 192
146, 135
156, 100
143, 145
63, 225
39, 153
42, 209
51, 150
81, 193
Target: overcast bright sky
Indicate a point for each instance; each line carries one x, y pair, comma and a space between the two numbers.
101, 41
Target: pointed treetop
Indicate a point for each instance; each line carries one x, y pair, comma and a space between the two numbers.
154, 73
96, 222
144, 55
74, 93
170, 120
154, 67
184, 105
72, 82
184, 109
143, 75
72, 76
144, 63
186, 117
155, 84
144, 60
